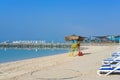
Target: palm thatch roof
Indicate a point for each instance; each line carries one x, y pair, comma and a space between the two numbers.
74, 37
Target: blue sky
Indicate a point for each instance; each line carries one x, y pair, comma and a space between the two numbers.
54, 19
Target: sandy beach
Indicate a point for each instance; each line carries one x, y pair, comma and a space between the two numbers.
60, 67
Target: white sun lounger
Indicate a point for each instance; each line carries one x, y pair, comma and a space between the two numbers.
110, 60
108, 69
111, 65
116, 54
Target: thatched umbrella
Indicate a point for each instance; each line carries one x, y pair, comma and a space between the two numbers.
75, 46
74, 37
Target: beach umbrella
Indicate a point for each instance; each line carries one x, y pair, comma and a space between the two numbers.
74, 46
74, 37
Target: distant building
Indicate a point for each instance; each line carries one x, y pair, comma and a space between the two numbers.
108, 38
86, 40
117, 38
101, 39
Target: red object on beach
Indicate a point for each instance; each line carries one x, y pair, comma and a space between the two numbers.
80, 54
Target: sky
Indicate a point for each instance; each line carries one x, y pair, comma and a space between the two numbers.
54, 19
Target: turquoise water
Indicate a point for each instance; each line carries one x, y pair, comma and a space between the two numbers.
9, 55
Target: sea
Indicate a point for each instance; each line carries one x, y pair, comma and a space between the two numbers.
10, 55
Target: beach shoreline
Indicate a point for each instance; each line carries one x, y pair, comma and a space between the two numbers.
61, 66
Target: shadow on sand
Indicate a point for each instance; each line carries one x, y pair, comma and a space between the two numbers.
87, 53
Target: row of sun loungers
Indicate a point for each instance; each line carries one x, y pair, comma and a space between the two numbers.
110, 65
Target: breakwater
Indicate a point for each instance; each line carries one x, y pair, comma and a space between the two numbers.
35, 45
49, 45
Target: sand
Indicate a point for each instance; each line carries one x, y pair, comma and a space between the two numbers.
60, 67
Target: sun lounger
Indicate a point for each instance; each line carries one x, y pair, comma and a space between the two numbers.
108, 69
106, 62
116, 53
110, 60
111, 65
